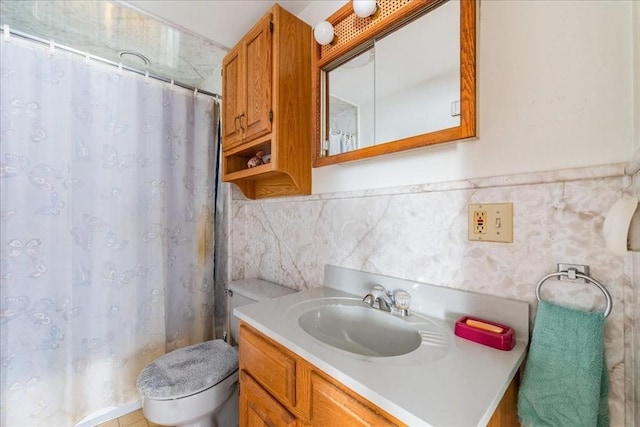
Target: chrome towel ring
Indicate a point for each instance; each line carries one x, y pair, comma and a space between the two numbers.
572, 273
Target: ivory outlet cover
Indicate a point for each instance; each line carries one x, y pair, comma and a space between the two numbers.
491, 222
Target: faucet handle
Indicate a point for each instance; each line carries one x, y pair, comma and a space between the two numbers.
402, 300
377, 291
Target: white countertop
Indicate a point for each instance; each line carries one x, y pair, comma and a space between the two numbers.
461, 389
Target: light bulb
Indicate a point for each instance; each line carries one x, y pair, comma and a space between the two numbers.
364, 8
323, 33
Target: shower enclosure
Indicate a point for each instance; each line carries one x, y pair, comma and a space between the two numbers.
107, 209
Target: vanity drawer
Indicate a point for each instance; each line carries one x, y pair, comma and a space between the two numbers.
334, 405
258, 407
272, 368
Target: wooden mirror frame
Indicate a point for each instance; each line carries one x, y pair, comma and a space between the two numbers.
353, 34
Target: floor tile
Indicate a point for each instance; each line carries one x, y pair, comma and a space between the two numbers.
131, 418
140, 423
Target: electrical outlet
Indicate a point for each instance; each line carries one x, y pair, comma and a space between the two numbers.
479, 222
491, 222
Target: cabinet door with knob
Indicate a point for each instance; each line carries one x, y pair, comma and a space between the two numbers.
247, 88
258, 53
232, 105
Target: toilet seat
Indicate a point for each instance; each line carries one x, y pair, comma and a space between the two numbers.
188, 371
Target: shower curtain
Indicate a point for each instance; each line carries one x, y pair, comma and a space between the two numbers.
106, 214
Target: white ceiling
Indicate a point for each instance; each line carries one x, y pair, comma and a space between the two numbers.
223, 21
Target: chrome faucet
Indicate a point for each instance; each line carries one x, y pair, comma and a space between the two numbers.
373, 296
369, 299
396, 302
385, 302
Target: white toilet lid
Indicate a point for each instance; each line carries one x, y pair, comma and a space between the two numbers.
188, 370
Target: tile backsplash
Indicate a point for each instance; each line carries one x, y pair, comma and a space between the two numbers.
420, 233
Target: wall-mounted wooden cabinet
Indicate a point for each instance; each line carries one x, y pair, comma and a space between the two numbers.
267, 107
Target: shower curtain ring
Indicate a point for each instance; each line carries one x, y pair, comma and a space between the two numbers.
146, 76
7, 33
52, 47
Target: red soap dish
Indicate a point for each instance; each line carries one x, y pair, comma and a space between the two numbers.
505, 340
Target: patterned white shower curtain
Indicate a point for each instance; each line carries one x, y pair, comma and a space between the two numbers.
106, 259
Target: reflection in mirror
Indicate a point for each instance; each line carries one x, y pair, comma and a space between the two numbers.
417, 72
406, 84
351, 113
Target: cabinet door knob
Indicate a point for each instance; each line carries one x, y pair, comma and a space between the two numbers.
235, 123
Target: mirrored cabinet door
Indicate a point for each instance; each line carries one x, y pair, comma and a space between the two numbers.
397, 85
351, 112
417, 76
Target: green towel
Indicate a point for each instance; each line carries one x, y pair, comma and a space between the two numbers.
565, 381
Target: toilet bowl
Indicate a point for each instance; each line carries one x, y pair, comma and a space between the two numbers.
198, 410
197, 386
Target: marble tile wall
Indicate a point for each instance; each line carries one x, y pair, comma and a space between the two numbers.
105, 28
632, 328
420, 233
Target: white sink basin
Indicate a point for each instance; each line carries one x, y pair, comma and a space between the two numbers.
352, 326
361, 330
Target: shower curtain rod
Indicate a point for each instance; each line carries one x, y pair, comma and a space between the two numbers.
7, 32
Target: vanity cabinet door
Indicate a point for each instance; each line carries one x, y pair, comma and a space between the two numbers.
259, 408
272, 368
333, 405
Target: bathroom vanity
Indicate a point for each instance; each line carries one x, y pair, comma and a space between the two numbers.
289, 377
280, 388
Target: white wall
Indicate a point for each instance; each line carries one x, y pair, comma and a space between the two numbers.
555, 90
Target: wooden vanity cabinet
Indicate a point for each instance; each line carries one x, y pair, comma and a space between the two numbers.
280, 389
278, 385
266, 86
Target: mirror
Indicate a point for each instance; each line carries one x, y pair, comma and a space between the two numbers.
351, 113
409, 85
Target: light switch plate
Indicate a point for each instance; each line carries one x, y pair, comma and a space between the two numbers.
491, 222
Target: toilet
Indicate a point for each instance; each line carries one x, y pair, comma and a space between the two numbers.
197, 386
